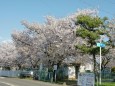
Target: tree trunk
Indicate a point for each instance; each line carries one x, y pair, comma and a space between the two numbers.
19, 67
94, 63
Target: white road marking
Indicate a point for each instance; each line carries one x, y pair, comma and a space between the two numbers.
8, 84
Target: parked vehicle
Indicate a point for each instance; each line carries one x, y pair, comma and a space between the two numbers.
25, 74
35, 75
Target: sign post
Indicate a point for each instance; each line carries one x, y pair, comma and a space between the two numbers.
55, 68
100, 44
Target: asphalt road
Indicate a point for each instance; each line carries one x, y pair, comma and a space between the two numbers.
23, 82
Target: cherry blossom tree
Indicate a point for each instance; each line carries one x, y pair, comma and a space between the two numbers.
111, 56
27, 49
52, 41
112, 29
8, 54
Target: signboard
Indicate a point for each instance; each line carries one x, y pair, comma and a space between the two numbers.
100, 45
86, 79
55, 67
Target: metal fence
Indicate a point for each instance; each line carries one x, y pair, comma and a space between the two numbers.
9, 73
106, 77
50, 76
44, 75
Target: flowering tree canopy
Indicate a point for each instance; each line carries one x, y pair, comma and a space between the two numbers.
8, 54
52, 41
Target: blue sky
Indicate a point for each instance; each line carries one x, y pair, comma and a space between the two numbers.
12, 12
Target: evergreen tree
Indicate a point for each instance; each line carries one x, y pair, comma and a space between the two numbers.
90, 29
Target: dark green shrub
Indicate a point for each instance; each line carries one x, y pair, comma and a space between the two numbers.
113, 69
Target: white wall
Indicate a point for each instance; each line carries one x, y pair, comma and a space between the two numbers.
71, 72
85, 67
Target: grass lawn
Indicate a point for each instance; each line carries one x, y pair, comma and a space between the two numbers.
74, 83
107, 84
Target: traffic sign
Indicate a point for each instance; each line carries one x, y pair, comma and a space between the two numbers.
100, 45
